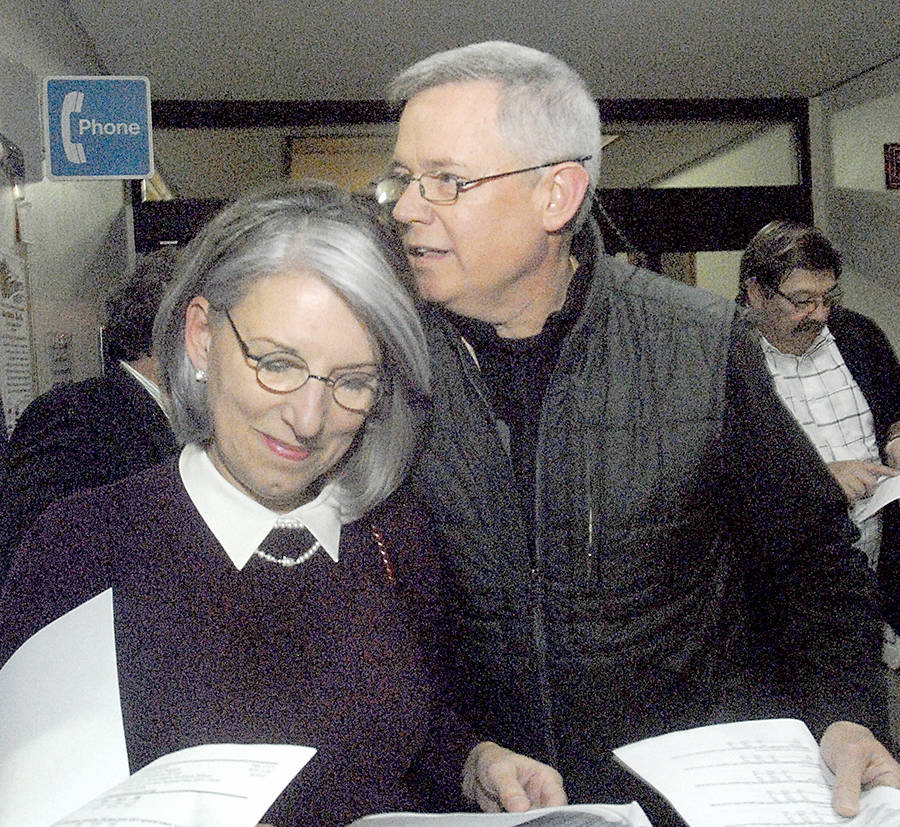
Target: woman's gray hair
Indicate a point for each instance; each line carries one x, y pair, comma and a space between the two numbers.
309, 226
545, 112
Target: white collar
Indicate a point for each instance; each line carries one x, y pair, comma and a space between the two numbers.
240, 523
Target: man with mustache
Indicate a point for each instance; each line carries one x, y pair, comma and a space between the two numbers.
639, 536
789, 277
838, 375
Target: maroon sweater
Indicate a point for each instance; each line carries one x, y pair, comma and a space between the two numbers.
342, 657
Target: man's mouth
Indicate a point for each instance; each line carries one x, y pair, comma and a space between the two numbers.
419, 251
810, 326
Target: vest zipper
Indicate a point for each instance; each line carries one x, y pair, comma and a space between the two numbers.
539, 637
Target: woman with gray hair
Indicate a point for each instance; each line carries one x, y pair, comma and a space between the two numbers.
315, 228
272, 584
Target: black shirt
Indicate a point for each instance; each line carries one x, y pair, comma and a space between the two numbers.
516, 373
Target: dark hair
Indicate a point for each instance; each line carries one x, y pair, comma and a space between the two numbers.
131, 307
781, 247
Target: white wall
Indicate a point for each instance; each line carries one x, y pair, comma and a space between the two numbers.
768, 158
858, 135
849, 127
78, 230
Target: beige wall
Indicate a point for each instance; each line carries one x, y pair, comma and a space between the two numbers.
79, 234
222, 163
768, 158
718, 271
219, 163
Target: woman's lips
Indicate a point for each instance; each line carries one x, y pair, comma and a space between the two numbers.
295, 453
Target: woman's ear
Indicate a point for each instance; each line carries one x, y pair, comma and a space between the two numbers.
197, 333
567, 188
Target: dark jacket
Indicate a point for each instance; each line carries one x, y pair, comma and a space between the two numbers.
72, 437
692, 556
872, 362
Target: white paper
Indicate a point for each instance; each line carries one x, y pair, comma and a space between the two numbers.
887, 491
620, 815
63, 759
61, 735
213, 785
750, 773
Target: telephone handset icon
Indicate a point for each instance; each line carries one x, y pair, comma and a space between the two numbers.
71, 103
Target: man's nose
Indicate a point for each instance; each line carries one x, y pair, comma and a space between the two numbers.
821, 311
411, 206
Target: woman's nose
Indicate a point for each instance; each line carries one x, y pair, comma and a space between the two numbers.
305, 409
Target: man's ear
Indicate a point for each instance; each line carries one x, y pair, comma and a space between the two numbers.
755, 296
564, 194
197, 334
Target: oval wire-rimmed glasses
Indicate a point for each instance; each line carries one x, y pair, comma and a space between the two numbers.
283, 372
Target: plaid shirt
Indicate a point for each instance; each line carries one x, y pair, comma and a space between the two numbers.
821, 393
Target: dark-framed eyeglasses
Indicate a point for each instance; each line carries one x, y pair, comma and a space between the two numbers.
827, 300
445, 187
283, 372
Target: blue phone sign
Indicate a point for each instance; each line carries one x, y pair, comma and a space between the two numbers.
98, 127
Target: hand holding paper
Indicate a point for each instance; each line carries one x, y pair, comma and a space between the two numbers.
751, 772
887, 491
498, 779
856, 758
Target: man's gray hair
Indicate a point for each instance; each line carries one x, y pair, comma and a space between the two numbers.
546, 111
314, 227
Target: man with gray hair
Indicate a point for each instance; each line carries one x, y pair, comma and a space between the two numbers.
640, 538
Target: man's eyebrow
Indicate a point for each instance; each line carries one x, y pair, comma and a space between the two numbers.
433, 164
